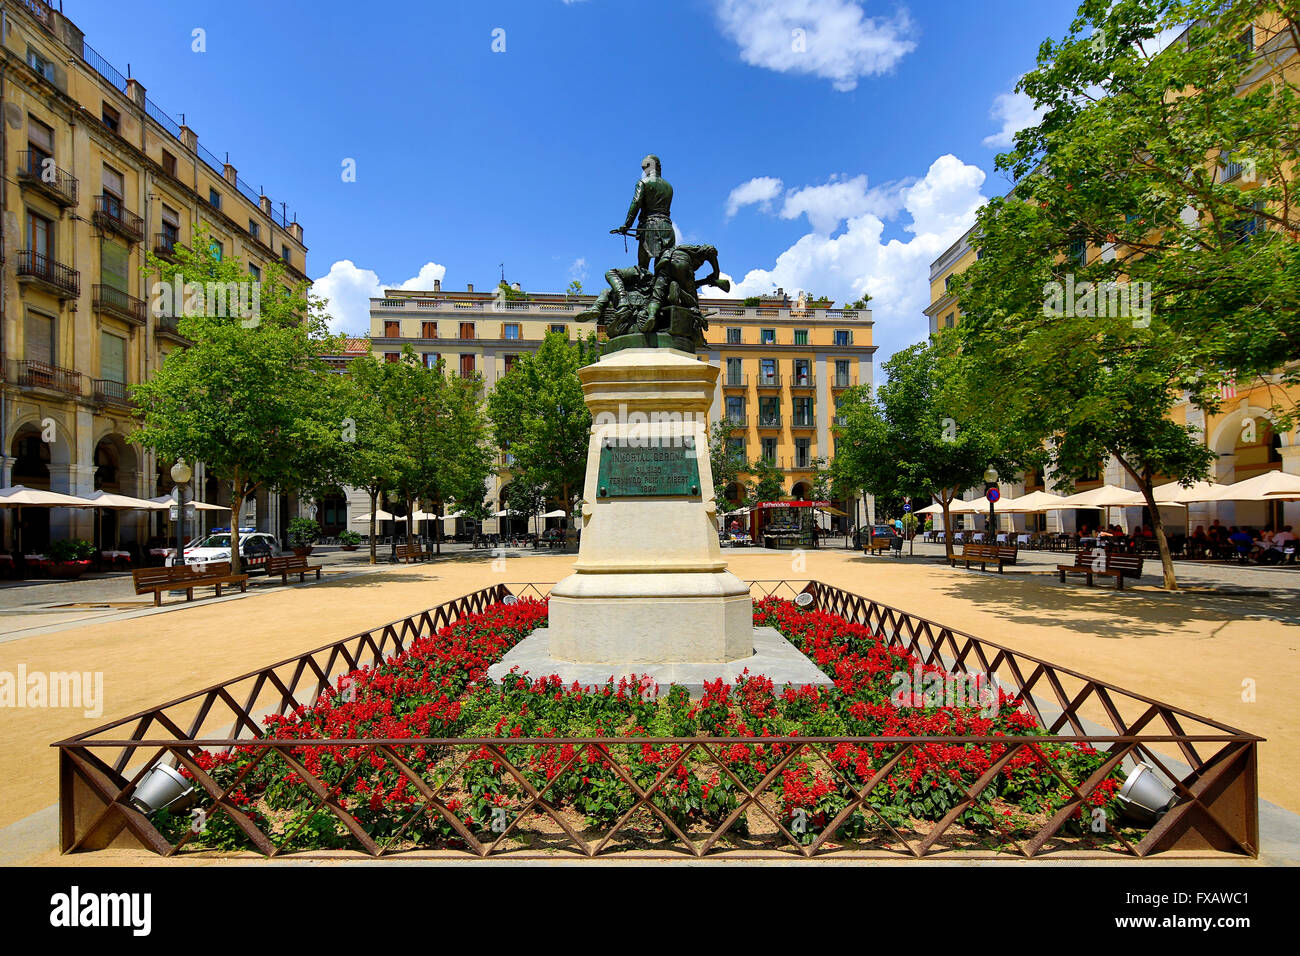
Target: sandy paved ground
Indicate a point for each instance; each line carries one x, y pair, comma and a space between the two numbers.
1193, 650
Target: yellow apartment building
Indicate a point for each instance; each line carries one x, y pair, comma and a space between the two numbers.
95, 174
1241, 433
785, 363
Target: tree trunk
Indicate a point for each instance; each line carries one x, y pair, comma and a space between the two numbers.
410, 524
1166, 559
944, 502
374, 503
236, 506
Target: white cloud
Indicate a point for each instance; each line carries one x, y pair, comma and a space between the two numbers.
350, 288
1015, 111
941, 206
760, 191
838, 199
833, 39
578, 270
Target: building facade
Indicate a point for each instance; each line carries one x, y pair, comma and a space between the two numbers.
95, 175
784, 365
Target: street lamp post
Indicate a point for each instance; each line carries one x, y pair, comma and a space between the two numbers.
181, 475
990, 488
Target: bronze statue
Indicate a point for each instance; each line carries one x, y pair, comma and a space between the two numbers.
659, 308
652, 200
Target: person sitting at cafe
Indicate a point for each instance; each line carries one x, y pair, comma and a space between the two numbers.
1241, 540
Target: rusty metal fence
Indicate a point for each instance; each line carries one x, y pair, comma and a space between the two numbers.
1210, 768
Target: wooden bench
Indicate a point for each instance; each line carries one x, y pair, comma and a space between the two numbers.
1107, 563
290, 564
877, 545
985, 554
409, 553
185, 579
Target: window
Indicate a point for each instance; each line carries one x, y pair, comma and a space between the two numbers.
510, 330
767, 371
40, 239
803, 452
802, 372
767, 337
736, 448
431, 359
467, 330
255, 271
560, 329
466, 366
511, 362
736, 408
114, 191
38, 338
286, 255
112, 357
769, 449
841, 373
169, 164
254, 229
1079, 251
1243, 229
392, 357
947, 283
1247, 41
171, 228
733, 336
735, 372
112, 118
214, 198
769, 412
843, 336
40, 64
950, 320
803, 413
428, 330
40, 141
800, 336
392, 329
217, 250
114, 265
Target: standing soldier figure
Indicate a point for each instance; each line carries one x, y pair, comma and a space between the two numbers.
653, 200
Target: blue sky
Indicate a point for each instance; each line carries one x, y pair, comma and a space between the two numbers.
830, 145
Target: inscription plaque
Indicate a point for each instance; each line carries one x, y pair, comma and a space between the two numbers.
643, 469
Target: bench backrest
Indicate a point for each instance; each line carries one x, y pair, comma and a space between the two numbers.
287, 562
408, 550
1007, 552
1129, 564
973, 550
151, 577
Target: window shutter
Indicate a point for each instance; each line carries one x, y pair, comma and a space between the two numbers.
112, 357
38, 338
113, 265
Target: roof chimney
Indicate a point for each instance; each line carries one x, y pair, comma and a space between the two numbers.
437, 285
469, 287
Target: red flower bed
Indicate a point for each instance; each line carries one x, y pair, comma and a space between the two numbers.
438, 688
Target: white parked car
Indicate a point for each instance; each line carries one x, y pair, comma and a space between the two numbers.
254, 548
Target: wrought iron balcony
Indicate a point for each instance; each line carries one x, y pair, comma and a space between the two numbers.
736, 421
803, 421
111, 215
110, 392
37, 171
39, 269
164, 245
117, 303
27, 373
769, 381
168, 326
735, 381
805, 380
769, 421
844, 381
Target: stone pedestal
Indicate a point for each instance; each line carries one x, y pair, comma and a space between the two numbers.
650, 584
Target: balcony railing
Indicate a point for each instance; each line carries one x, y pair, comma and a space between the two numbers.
736, 421
805, 380
164, 245
39, 172
118, 303
169, 326
110, 392
28, 373
769, 381
803, 421
111, 215
40, 268
769, 421
844, 381
735, 381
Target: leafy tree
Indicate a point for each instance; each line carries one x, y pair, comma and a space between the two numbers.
925, 435
1180, 161
766, 482
373, 452
574, 288
537, 412
724, 462
245, 397
860, 302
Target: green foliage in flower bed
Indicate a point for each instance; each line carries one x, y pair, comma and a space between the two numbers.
438, 688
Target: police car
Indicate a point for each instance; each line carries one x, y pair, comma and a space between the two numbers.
254, 548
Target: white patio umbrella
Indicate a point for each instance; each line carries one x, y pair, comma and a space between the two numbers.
1270, 486
1176, 493
1032, 503
557, 513
108, 500
166, 502
380, 515
20, 497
